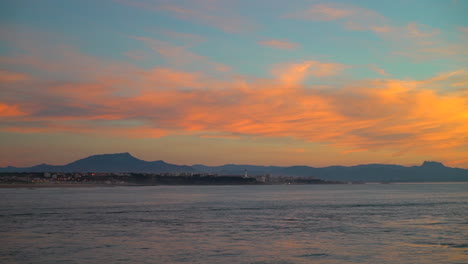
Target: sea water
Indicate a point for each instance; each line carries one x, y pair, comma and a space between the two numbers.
365, 223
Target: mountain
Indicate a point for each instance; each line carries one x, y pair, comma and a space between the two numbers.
429, 171
120, 162
233, 169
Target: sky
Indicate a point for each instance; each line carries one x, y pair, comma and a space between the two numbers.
266, 82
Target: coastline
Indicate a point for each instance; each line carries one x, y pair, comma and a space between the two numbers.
60, 185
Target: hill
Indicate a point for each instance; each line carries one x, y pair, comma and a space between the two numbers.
120, 162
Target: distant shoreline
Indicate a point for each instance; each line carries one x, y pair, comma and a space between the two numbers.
93, 185
60, 185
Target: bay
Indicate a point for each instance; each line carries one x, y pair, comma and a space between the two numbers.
363, 223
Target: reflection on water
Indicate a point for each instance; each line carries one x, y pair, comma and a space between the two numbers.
397, 223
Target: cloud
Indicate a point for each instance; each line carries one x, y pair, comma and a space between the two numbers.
456, 163
421, 42
292, 74
56, 61
416, 41
323, 12
10, 76
380, 29
279, 44
379, 70
218, 14
351, 16
108, 97
10, 110
183, 36
414, 30
370, 115
179, 56
463, 29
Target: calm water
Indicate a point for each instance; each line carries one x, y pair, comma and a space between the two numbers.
395, 223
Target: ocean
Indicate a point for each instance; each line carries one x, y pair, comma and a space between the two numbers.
362, 223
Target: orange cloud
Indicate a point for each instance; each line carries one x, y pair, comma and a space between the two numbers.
352, 151
457, 162
399, 116
219, 136
294, 73
279, 44
380, 29
56, 60
10, 110
9, 76
382, 114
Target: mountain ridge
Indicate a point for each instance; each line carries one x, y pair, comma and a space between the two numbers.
430, 171
116, 162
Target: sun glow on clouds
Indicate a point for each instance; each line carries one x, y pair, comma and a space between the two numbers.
10, 110
186, 93
366, 115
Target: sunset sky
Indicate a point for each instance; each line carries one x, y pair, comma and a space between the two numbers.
267, 82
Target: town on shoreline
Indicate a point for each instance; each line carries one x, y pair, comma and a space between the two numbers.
51, 179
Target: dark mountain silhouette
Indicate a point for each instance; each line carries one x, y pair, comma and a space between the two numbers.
233, 169
120, 162
429, 171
